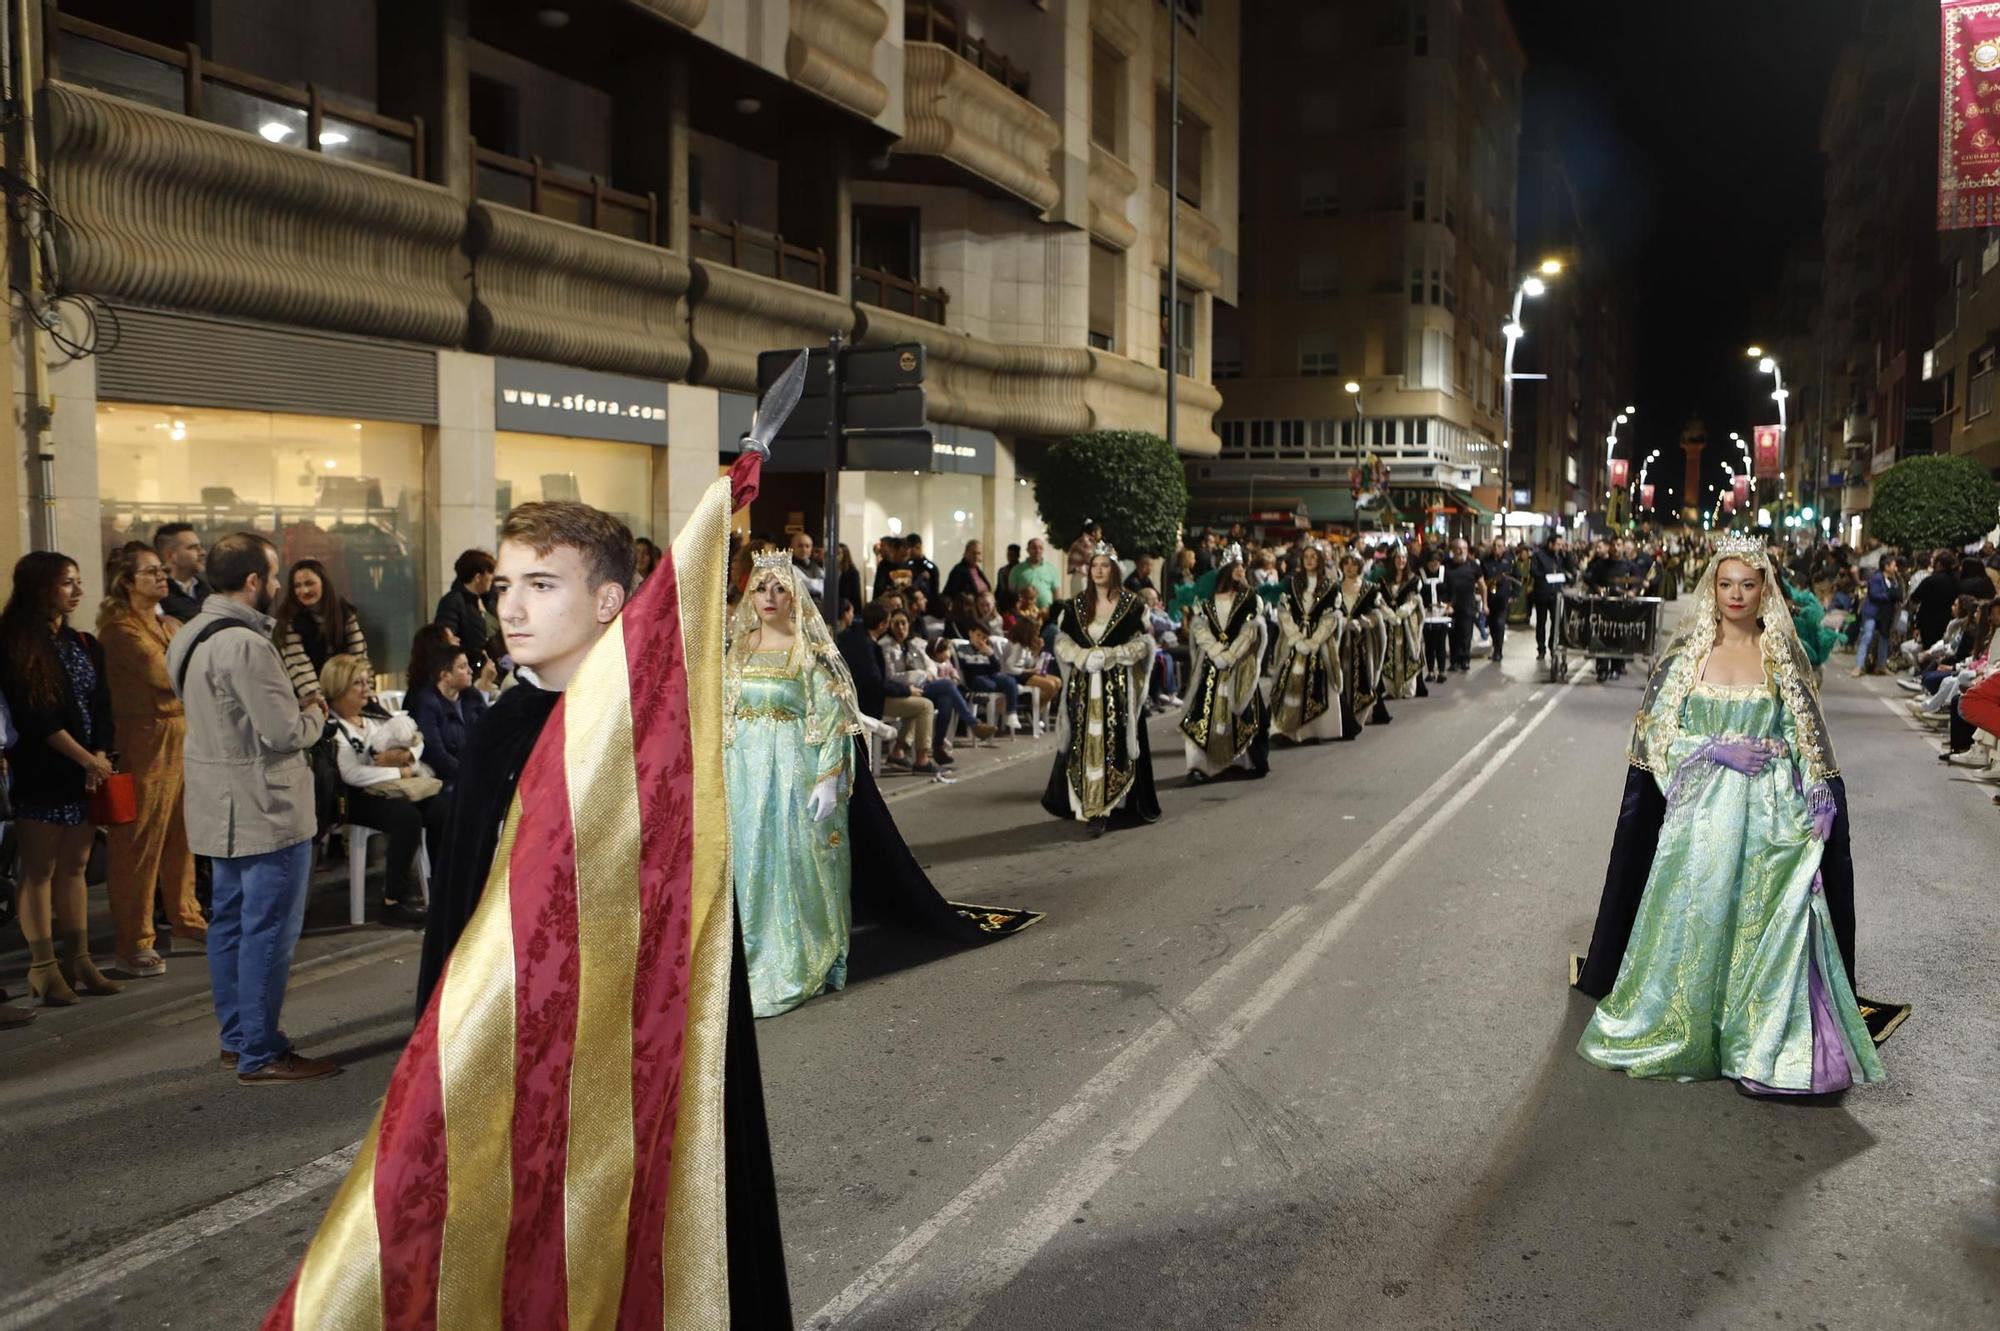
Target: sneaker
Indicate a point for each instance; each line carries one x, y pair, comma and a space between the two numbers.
1912, 685
287, 1068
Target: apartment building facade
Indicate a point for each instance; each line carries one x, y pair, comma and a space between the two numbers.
362, 275
1380, 149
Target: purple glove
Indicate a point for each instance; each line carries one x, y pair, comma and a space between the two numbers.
1748, 756
1821, 809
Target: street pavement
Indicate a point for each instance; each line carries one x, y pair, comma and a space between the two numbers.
1298, 1056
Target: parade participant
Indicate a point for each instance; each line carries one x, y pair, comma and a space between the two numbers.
1226, 723
1735, 959
1465, 587
1497, 569
1550, 571
575, 1132
1364, 642
1309, 702
1403, 662
789, 715
1437, 618
1104, 764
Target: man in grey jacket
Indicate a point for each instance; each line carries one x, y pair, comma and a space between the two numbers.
249, 804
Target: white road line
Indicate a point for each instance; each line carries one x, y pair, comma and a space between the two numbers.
998, 1264
52, 1295
1108, 1082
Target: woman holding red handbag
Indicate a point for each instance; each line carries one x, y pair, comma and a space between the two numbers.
54, 681
149, 845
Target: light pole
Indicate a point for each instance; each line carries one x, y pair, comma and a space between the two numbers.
1531, 285
1769, 365
1645, 470
1360, 421
1610, 447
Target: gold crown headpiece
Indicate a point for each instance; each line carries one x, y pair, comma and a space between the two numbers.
1737, 545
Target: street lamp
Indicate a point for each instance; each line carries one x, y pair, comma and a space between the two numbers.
1360, 421
1532, 285
1610, 447
1769, 365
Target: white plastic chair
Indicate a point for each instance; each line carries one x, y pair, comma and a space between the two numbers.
392, 699
357, 871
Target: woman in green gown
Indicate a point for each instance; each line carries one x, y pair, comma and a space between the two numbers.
788, 718
1732, 968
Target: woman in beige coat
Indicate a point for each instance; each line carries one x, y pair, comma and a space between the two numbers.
151, 852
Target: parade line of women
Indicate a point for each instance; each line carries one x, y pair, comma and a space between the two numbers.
1724, 946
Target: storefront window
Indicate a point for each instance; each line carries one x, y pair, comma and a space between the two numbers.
617, 478
347, 493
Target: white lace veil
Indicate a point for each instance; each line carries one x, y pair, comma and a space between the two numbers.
812, 648
1681, 661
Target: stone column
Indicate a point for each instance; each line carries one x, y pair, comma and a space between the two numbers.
459, 470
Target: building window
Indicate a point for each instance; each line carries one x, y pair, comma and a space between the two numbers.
1417, 208
1319, 194
1107, 281
1420, 31
1437, 286
1183, 331
1325, 436
1319, 276
1979, 392
1107, 98
1417, 286
1194, 147
1318, 357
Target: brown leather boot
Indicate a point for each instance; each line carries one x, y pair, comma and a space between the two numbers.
81, 971
46, 984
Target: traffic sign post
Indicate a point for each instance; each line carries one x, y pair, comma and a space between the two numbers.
871, 397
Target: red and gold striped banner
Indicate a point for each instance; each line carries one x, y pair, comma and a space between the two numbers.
550, 1152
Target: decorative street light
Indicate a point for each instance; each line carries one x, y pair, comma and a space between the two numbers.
1769, 365
1610, 447
1534, 284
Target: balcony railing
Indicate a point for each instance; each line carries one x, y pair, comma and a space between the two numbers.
924, 21
760, 252
182, 80
584, 201
890, 292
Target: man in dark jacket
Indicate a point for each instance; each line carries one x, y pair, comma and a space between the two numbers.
1496, 566
923, 573
1465, 588
1932, 599
1550, 571
179, 547
463, 608
879, 696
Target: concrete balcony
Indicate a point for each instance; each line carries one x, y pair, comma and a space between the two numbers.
1112, 185
954, 112
1199, 239
168, 211
551, 291
831, 50
735, 315
1125, 394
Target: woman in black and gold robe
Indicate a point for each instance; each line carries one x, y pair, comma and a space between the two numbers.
1103, 765
1364, 641
1403, 660
1308, 702
1225, 723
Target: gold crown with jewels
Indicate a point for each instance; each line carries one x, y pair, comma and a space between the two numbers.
1736, 546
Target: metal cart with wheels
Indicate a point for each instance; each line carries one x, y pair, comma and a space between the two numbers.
1612, 628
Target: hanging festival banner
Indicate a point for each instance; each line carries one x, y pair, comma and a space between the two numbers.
1969, 115
1740, 490
1769, 451
1621, 473
1646, 496
1728, 501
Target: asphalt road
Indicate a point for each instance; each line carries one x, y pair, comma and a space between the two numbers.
1298, 1056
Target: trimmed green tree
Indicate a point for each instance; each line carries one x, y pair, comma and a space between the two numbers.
1128, 480
1926, 502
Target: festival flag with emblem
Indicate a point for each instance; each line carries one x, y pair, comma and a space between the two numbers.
1969, 115
550, 1152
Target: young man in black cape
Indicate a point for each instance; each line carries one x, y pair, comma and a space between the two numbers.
563, 574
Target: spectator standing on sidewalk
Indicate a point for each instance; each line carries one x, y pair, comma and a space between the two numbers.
1003, 581
249, 804
1465, 588
179, 548
968, 575
464, 610
1036, 573
1878, 616
149, 854
312, 625
54, 681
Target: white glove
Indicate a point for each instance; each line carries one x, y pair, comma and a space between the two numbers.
825, 798
1094, 662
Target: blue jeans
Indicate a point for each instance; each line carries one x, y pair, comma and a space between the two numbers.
1006, 686
259, 908
1871, 634
945, 696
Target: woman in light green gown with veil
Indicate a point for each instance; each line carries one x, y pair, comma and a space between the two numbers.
1732, 968
789, 716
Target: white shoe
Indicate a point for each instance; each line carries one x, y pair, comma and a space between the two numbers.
1912, 685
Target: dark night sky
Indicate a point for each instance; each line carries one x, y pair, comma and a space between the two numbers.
1691, 130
